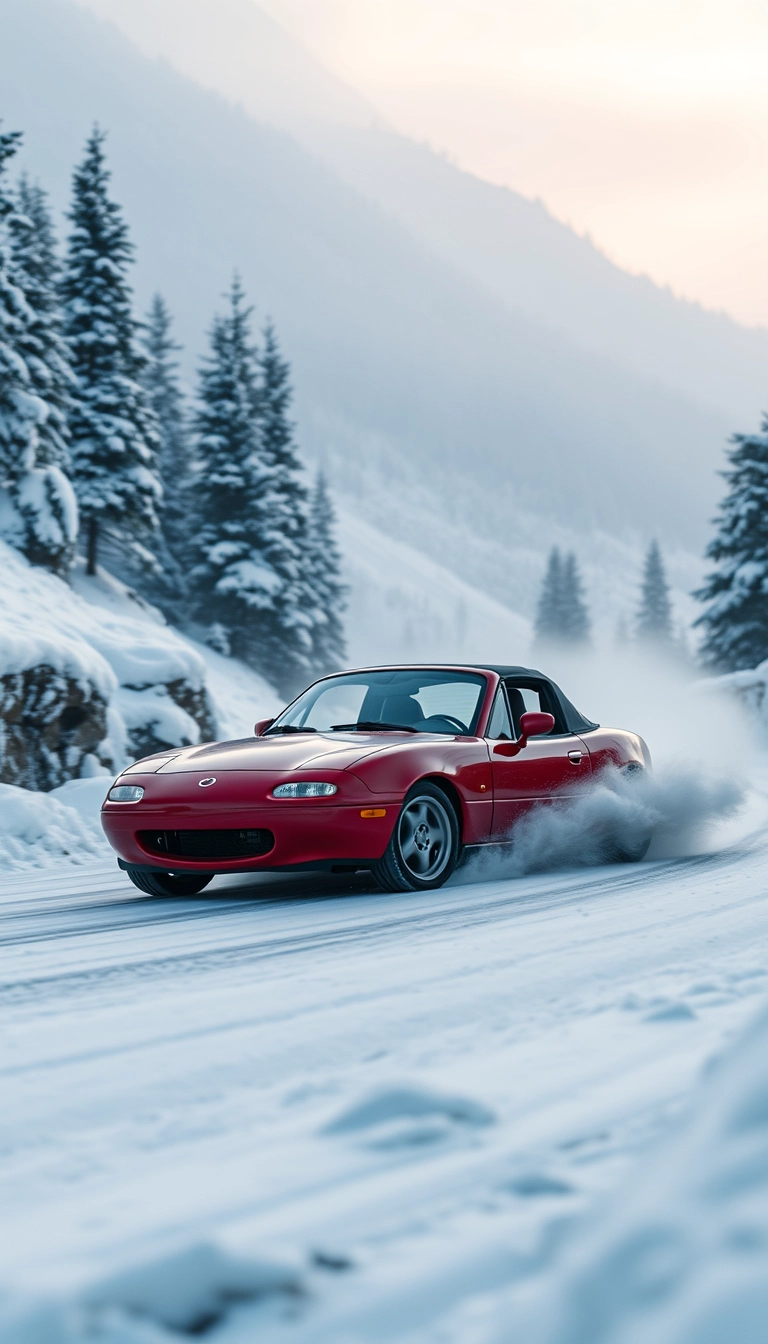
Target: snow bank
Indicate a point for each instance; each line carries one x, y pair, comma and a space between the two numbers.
42, 830
749, 688
680, 1255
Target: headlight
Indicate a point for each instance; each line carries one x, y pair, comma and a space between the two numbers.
312, 789
126, 793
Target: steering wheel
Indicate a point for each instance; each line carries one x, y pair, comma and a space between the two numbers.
449, 718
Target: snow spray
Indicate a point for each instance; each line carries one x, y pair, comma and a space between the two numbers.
615, 811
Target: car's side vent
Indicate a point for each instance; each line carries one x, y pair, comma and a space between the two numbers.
208, 844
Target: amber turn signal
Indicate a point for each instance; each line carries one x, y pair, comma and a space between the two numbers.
374, 812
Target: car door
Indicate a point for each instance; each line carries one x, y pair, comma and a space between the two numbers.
547, 768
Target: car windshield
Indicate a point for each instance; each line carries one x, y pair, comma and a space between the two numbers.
429, 701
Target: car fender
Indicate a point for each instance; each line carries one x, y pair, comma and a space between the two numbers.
464, 764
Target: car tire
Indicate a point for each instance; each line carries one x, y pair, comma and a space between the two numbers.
630, 851
424, 848
168, 884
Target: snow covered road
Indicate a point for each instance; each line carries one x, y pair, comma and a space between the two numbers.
343, 1115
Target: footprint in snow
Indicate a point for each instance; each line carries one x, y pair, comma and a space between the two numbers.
534, 1184
671, 1012
404, 1117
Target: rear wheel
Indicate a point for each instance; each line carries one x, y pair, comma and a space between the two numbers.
168, 884
631, 847
424, 847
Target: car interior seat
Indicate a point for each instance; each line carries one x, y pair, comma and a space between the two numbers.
516, 707
402, 709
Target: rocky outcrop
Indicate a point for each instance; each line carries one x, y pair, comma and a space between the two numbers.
52, 728
89, 680
165, 714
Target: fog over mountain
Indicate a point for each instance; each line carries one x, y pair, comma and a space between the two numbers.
434, 346
510, 244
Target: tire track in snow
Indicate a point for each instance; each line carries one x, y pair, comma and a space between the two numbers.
446, 916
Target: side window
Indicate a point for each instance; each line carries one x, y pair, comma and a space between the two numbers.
499, 725
527, 699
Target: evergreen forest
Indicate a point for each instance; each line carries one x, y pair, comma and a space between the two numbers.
203, 500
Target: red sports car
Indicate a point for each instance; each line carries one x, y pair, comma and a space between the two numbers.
398, 770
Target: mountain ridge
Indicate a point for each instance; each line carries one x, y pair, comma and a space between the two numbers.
513, 246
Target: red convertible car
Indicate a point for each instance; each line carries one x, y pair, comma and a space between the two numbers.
398, 770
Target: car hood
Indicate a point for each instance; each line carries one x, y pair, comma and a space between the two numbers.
331, 751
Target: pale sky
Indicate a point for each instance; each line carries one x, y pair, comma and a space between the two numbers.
641, 122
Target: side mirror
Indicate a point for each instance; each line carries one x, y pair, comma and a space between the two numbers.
261, 727
532, 724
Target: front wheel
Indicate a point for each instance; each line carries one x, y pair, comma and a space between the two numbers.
168, 884
424, 847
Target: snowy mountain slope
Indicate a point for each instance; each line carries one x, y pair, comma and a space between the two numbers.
405, 606
361, 1117
537, 265
513, 246
394, 352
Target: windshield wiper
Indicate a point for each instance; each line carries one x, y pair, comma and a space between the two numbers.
288, 728
368, 725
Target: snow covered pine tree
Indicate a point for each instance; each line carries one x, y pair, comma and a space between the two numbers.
324, 573
549, 616
235, 589
114, 434
576, 623
161, 381
39, 513
654, 616
736, 620
562, 616
287, 637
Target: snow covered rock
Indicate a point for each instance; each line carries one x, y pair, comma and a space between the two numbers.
52, 728
89, 678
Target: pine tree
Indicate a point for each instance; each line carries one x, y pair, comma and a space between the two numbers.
575, 616
252, 577
549, 613
286, 640
562, 616
736, 592
235, 588
654, 616
114, 436
52, 541
324, 570
40, 515
163, 388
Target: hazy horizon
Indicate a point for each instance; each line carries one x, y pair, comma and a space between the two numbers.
641, 123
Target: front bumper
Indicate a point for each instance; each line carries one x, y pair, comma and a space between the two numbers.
316, 834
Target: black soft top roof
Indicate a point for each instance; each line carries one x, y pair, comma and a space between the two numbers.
574, 721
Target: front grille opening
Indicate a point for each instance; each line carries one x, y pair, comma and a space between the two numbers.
208, 844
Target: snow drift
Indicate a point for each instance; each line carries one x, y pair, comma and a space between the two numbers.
679, 1256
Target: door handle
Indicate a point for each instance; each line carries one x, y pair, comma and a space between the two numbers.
575, 757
